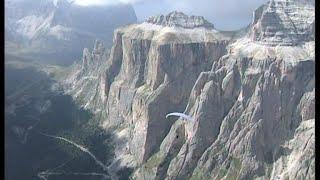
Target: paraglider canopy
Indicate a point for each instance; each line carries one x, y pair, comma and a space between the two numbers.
184, 116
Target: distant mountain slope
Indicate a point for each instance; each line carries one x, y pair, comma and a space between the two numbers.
60, 30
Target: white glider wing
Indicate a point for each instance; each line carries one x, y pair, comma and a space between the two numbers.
184, 116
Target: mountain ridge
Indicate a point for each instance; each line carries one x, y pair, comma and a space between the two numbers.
253, 99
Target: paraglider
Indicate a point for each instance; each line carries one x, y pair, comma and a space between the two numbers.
184, 116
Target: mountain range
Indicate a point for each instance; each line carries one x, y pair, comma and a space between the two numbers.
57, 31
251, 93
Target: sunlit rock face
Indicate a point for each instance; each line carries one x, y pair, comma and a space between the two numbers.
250, 110
153, 70
284, 22
251, 95
86, 81
149, 72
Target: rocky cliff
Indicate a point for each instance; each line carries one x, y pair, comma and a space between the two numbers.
283, 22
86, 82
251, 94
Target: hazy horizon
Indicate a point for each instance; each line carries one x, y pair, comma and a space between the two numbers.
225, 15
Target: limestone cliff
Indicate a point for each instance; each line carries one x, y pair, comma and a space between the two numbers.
86, 82
284, 22
251, 94
153, 70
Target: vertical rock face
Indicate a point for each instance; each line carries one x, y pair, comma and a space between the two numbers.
263, 118
86, 81
252, 96
150, 77
252, 109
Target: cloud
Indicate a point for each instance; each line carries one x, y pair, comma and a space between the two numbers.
92, 2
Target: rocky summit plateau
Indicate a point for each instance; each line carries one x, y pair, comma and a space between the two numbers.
251, 92
180, 19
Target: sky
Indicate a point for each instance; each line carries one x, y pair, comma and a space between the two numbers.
224, 14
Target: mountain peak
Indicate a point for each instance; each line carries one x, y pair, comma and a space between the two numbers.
98, 47
179, 19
